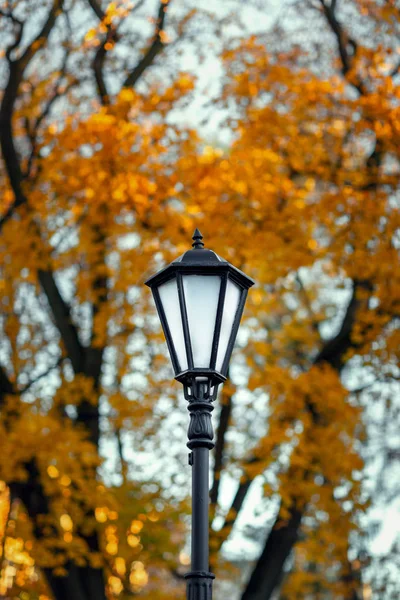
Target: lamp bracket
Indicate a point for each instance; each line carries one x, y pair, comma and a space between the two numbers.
200, 384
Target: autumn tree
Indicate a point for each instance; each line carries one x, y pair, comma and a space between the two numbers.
100, 184
310, 190
87, 187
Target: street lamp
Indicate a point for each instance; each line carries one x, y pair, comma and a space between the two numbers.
200, 299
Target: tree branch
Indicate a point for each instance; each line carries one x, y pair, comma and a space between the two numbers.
33, 131
99, 12
62, 318
17, 67
100, 56
43, 34
98, 66
334, 349
16, 72
224, 418
314, 323
156, 46
6, 385
341, 38
344, 41
39, 377
19, 34
235, 508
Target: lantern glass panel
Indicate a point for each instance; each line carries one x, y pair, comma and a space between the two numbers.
170, 301
232, 298
201, 298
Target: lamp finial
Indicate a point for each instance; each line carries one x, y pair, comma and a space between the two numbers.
197, 240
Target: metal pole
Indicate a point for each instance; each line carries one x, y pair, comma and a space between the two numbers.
200, 435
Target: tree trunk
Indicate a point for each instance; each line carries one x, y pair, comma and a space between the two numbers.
279, 544
79, 583
268, 571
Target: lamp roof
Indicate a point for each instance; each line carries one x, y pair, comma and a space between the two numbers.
199, 260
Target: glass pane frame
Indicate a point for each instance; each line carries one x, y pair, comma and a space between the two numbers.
216, 375
167, 333
234, 330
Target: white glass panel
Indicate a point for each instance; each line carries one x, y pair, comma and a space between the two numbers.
232, 297
170, 300
201, 296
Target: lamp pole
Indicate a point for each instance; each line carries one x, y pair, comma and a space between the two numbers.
200, 435
200, 299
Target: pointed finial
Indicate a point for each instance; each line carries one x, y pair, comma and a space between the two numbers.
197, 237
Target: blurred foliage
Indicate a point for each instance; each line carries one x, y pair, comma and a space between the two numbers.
102, 183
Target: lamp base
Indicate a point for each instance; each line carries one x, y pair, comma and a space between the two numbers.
199, 585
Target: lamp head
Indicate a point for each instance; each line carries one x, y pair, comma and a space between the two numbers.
200, 299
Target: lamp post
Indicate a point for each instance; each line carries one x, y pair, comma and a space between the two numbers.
200, 299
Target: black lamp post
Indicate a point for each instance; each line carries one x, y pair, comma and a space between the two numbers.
200, 299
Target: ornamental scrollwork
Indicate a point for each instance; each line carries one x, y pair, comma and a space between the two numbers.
200, 425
